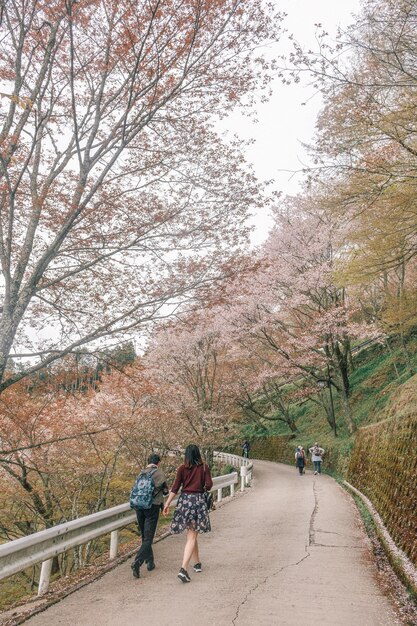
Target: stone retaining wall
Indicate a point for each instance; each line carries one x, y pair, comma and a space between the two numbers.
383, 465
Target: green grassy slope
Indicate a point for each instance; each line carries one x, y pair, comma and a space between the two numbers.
377, 378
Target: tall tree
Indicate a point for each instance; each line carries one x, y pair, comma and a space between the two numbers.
292, 315
63, 455
193, 378
116, 195
365, 138
365, 153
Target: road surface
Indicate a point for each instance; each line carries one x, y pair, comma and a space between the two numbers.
290, 551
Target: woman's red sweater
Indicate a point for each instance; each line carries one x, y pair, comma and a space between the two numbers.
195, 479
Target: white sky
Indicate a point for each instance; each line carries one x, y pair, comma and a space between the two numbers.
284, 123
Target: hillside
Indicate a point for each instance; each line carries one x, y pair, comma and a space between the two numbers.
382, 386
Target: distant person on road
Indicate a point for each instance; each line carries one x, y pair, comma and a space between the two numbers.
191, 513
317, 457
245, 449
305, 459
300, 460
148, 518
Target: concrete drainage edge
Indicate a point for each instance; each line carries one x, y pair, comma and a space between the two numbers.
398, 559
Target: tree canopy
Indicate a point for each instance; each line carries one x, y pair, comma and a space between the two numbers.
118, 198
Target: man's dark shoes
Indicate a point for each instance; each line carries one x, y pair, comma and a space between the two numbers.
197, 567
135, 571
183, 575
150, 565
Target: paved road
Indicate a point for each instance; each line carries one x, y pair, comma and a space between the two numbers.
290, 551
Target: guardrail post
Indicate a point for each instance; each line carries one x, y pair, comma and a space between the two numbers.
114, 543
243, 473
219, 495
45, 577
232, 490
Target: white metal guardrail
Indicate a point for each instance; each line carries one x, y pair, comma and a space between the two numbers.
19, 554
246, 466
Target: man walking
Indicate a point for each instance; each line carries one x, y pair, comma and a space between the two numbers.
148, 517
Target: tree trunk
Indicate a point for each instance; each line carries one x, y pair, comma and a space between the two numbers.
209, 455
347, 411
329, 411
410, 367
341, 365
393, 361
291, 424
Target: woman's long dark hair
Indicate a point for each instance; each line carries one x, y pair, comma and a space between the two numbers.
192, 456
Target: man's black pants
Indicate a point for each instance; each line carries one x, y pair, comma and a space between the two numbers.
147, 522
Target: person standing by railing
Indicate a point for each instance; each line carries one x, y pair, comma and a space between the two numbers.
191, 514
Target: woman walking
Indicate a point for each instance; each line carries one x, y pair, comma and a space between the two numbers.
191, 513
317, 457
300, 459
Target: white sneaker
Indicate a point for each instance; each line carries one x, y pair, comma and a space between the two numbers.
315, 473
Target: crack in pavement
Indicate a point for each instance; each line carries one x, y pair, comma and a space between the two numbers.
328, 545
311, 530
262, 582
329, 532
311, 542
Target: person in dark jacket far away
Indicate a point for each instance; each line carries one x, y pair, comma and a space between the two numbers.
191, 513
245, 449
148, 518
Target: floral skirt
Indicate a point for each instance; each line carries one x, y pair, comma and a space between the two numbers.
191, 514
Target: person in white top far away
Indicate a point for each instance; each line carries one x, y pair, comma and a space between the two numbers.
317, 457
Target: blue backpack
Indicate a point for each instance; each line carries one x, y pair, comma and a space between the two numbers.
143, 491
